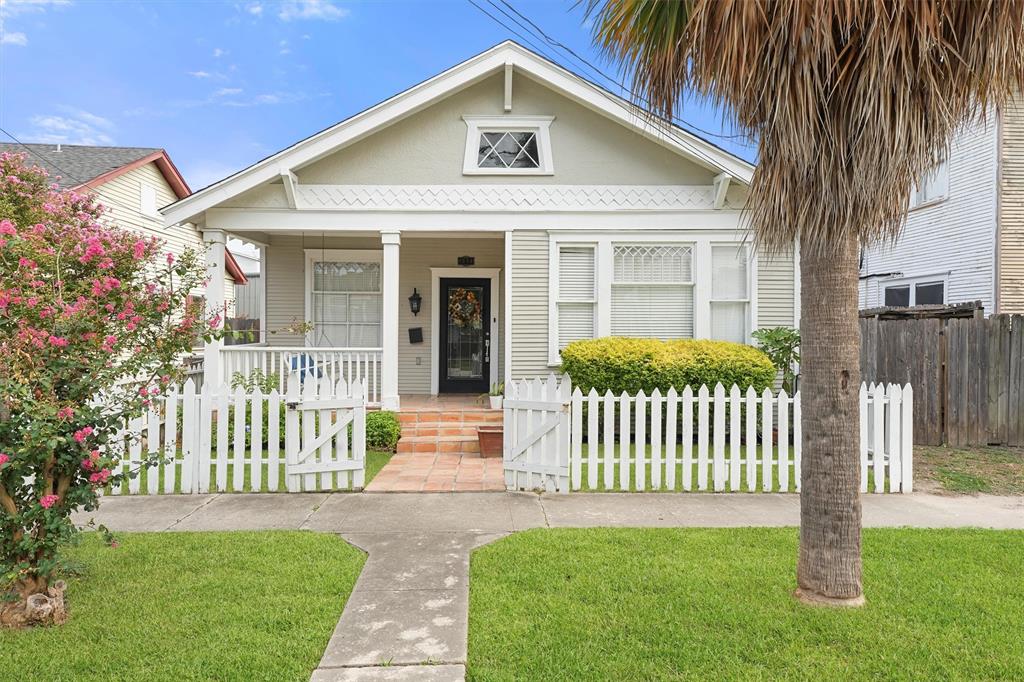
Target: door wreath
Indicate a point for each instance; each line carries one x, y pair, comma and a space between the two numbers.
464, 307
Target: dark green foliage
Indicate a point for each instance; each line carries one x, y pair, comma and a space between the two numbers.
382, 430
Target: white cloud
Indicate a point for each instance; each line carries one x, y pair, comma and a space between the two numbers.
200, 74
76, 127
218, 52
323, 10
283, 47
255, 9
13, 38
227, 92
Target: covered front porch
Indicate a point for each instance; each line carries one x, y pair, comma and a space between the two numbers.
403, 312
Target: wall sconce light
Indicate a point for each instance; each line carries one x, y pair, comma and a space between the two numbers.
415, 301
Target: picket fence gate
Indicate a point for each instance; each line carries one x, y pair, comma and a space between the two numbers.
558, 439
313, 437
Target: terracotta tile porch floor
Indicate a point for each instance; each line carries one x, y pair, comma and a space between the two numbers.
441, 472
438, 451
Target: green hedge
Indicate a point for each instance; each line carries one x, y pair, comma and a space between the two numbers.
620, 364
382, 430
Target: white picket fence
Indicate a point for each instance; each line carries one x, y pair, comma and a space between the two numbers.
721, 440
226, 440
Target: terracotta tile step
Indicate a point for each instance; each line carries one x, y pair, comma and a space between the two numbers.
439, 444
442, 416
434, 431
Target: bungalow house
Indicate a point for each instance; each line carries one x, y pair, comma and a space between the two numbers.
963, 239
465, 230
131, 183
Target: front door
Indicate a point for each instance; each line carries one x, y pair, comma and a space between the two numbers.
465, 351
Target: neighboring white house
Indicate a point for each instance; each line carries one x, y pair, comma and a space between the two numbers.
131, 183
964, 235
463, 231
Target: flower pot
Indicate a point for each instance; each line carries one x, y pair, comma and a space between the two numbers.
495, 402
491, 440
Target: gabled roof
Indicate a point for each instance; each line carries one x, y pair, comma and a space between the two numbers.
428, 92
76, 166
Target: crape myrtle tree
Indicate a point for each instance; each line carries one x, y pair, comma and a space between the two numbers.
852, 103
93, 323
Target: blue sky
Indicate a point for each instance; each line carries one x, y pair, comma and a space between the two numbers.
223, 84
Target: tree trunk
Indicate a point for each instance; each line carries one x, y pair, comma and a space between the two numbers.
34, 603
829, 566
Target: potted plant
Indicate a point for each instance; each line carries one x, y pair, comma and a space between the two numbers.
496, 394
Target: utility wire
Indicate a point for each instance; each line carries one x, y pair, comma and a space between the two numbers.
33, 152
597, 70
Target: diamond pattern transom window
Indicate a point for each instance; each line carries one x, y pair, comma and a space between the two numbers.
508, 150
636, 263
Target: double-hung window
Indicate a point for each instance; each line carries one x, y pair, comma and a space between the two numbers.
652, 290
915, 293
934, 186
730, 292
345, 299
576, 294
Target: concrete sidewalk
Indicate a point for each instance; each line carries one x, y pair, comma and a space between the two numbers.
510, 512
407, 617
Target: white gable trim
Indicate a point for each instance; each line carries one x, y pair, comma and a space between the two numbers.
430, 91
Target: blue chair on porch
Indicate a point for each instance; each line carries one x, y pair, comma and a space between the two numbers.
304, 365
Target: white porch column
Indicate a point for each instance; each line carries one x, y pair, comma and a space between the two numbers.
391, 242
214, 240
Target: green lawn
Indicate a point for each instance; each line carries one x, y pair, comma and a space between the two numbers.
623, 604
375, 461
192, 606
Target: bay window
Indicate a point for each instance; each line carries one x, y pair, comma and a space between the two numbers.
678, 285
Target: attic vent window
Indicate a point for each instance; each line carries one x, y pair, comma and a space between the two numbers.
508, 150
506, 145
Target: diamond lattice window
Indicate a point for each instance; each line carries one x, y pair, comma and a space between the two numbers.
652, 264
508, 150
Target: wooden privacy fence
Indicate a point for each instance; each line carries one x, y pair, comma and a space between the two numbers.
558, 439
967, 373
226, 440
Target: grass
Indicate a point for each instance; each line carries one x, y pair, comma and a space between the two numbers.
996, 470
375, 461
659, 604
192, 606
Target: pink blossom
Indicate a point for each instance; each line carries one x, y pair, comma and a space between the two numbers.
83, 433
26, 263
7, 227
47, 501
58, 341
139, 249
215, 322
87, 464
4, 459
100, 477
170, 256
65, 413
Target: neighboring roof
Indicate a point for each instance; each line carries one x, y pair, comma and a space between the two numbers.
233, 269
76, 166
428, 92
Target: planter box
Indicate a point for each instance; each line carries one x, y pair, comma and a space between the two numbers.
492, 440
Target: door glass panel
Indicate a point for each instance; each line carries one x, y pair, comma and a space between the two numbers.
465, 351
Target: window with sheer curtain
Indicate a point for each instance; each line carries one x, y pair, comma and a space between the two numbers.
346, 300
652, 291
730, 295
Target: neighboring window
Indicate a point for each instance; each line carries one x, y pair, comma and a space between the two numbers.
346, 300
508, 145
147, 200
576, 298
652, 291
730, 296
933, 187
920, 293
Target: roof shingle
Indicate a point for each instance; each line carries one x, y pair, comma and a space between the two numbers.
77, 164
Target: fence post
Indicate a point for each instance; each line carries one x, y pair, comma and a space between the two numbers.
907, 433
863, 437
359, 436
291, 437
718, 438
576, 452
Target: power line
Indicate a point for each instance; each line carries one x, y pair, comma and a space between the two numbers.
33, 152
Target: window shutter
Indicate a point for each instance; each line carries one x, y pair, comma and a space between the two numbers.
575, 304
661, 311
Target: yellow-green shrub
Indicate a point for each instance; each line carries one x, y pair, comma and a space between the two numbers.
627, 364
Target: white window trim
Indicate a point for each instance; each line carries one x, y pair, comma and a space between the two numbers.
335, 255
700, 243
936, 200
912, 282
540, 125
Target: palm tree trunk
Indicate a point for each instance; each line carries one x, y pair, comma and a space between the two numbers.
829, 566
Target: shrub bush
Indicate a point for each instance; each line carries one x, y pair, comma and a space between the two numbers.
382, 431
620, 364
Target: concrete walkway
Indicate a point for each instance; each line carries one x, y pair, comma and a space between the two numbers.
407, 617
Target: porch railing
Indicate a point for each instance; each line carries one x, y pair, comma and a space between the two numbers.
290, 363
